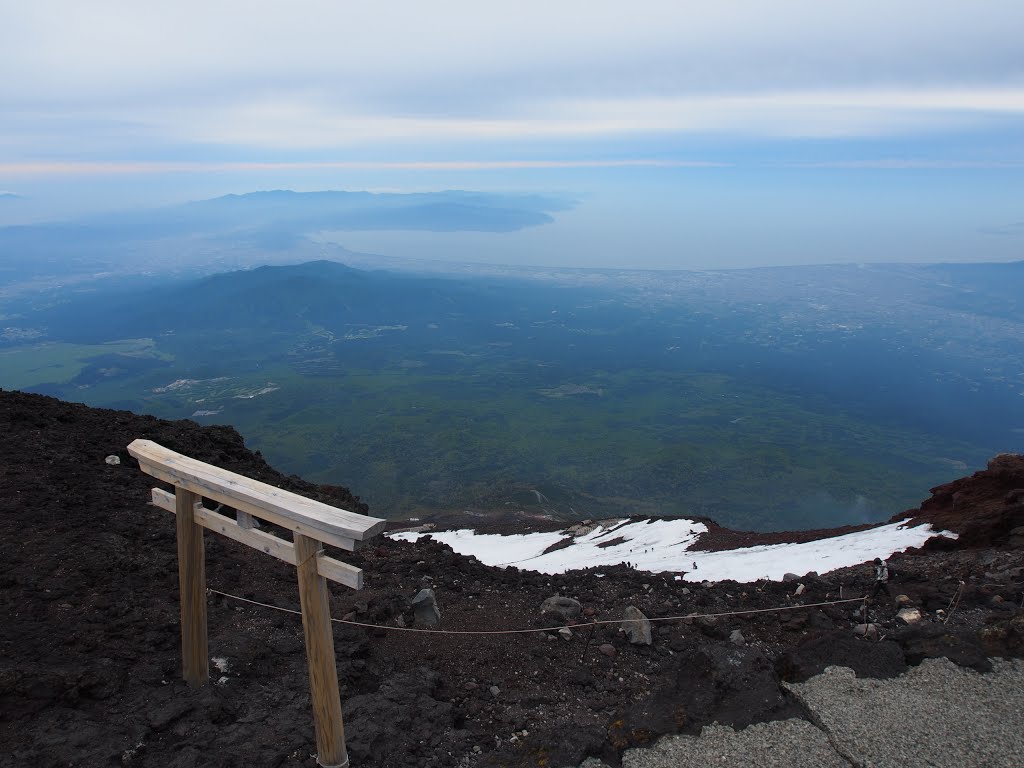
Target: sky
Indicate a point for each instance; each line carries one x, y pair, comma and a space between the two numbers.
691, 134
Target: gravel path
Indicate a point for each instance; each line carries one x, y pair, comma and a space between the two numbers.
794, 743
938, 715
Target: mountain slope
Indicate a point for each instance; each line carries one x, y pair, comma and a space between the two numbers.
90, 669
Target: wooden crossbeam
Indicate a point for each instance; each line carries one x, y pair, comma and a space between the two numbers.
328, 567
337, 527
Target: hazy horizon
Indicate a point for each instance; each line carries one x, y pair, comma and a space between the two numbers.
691, 136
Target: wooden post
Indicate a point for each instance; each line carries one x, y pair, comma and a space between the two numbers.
195, 659
323, 671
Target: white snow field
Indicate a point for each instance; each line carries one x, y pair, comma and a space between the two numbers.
663, 545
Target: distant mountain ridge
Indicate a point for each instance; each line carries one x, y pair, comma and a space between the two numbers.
253, 228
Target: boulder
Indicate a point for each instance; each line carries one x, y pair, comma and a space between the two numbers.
636, 626
563, 608
424, 605
790, 577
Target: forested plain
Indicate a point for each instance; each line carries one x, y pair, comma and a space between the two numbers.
608, 397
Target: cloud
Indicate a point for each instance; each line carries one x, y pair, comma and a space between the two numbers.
475, 82
121, 168
394, 48
292, 123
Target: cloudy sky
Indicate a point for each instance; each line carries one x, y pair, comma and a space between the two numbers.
691, 133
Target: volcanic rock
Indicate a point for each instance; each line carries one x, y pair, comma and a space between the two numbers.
563, 608
636, 626
733, 686
426, 610
909, 615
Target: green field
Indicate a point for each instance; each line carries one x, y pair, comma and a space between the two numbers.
59, 363
494, 435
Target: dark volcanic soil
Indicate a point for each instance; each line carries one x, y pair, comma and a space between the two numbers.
89, 654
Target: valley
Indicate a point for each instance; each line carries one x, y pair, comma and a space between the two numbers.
766, 399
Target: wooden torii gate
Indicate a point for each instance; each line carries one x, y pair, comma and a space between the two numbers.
312, 524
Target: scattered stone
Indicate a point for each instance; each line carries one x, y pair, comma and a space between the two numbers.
869, 631
565, 633
736, 638
470, 686
427, 614
800, 589
909, 615
790, 577
636, 626
112, 460
902, 600
608, 650
495, 690
565, 608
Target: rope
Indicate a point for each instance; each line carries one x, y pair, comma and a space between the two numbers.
541, 629
954, 603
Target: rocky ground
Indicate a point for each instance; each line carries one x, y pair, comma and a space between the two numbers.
89, 654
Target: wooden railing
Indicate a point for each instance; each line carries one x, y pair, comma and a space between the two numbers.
312, 523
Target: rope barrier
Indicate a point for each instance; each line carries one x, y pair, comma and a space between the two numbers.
541, 629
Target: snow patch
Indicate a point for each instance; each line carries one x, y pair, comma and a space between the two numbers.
664, 545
